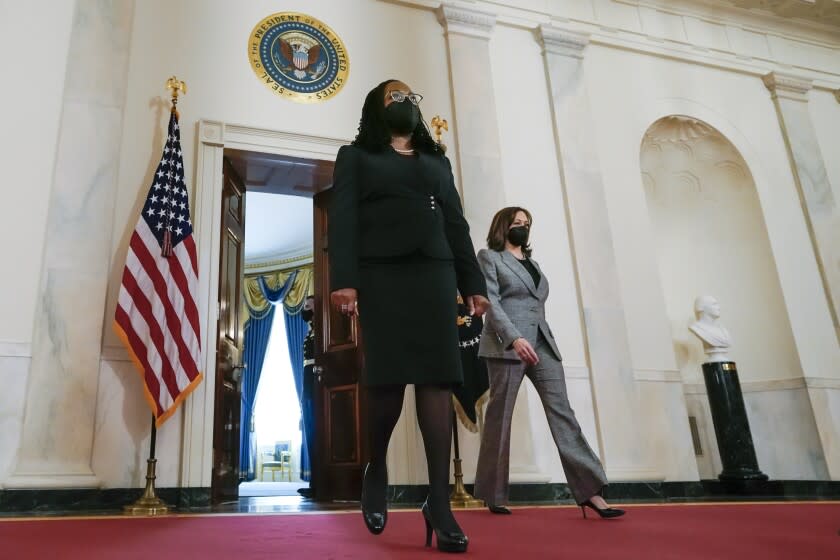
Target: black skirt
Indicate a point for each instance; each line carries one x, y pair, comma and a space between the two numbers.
408, 314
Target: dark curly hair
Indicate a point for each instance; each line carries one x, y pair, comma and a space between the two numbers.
374, 134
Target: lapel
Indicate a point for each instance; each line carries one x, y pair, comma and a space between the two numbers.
542, 290
520, 271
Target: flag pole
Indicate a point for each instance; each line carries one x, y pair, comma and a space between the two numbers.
149, 504
459, 498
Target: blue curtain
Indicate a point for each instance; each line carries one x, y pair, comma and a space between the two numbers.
257, 335
296, 329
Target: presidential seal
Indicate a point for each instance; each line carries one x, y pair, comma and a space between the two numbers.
298, 57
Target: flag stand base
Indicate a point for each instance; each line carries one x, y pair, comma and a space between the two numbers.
460, 498
148, 503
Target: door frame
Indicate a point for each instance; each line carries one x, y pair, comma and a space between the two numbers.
213, 138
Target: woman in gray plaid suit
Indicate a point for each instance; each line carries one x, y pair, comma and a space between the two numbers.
516, 342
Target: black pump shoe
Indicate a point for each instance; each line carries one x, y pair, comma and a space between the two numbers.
499, 509
607, 513
447, 541
374, 520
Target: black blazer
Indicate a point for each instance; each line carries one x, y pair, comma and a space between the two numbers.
376, 213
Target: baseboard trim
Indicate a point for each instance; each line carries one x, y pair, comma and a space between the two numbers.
111, 500
95, 499
654, 492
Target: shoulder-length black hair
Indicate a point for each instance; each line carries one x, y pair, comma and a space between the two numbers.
498, 233
374, 134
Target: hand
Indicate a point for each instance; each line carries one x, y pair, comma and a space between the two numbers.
345, 301
477, 305
525, 351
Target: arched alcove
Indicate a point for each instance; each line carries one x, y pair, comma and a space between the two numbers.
711, 239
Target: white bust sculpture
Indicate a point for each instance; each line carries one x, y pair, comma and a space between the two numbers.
715, 337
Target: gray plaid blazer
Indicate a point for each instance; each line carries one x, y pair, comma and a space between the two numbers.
517, 307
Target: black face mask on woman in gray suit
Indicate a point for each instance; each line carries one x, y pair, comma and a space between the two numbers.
518, 236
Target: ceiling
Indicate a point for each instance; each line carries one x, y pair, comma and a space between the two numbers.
821, 11
278, 174
278, 203
277, 227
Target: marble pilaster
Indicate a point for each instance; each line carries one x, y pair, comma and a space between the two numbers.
59, 420
624, 448
790, 96
476, 124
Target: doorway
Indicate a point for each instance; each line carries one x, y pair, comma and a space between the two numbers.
278, 279
286, 423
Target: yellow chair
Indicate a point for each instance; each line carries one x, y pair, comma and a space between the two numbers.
280, 460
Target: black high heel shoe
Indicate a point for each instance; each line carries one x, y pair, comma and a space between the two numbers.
607, 513
499, 509
374, 520
447, 541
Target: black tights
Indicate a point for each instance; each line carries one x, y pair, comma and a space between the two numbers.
434, 413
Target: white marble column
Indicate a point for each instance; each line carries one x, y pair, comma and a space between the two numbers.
822, 215
790, 95
476, 125
468, 33
58, 425
621, 425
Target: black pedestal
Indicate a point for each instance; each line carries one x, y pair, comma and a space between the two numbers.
732, 428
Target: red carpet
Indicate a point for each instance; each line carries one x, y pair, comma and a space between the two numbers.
743, 532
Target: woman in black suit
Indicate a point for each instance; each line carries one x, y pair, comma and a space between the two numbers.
400, 249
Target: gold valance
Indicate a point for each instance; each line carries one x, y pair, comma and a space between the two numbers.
304, 285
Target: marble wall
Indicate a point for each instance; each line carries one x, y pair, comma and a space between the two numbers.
790, 95
32, 114
75, 270
783, 427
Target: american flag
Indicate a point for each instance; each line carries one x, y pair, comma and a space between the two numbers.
157, 315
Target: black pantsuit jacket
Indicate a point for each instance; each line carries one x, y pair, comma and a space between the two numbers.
375, 214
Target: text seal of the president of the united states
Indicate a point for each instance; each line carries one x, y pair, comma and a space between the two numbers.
299, 57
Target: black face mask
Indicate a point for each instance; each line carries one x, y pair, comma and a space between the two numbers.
402, 117
307, 315
518, 236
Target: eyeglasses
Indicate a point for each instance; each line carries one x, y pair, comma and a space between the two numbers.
399, 97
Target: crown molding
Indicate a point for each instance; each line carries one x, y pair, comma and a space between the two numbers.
470, 21
787, 86
278, 262
562, 41
751, 45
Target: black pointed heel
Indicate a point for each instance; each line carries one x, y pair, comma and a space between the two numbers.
607, 513
374, 520
499, 509
447, 541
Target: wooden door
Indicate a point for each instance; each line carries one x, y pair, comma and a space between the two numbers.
339, 402
229, 350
